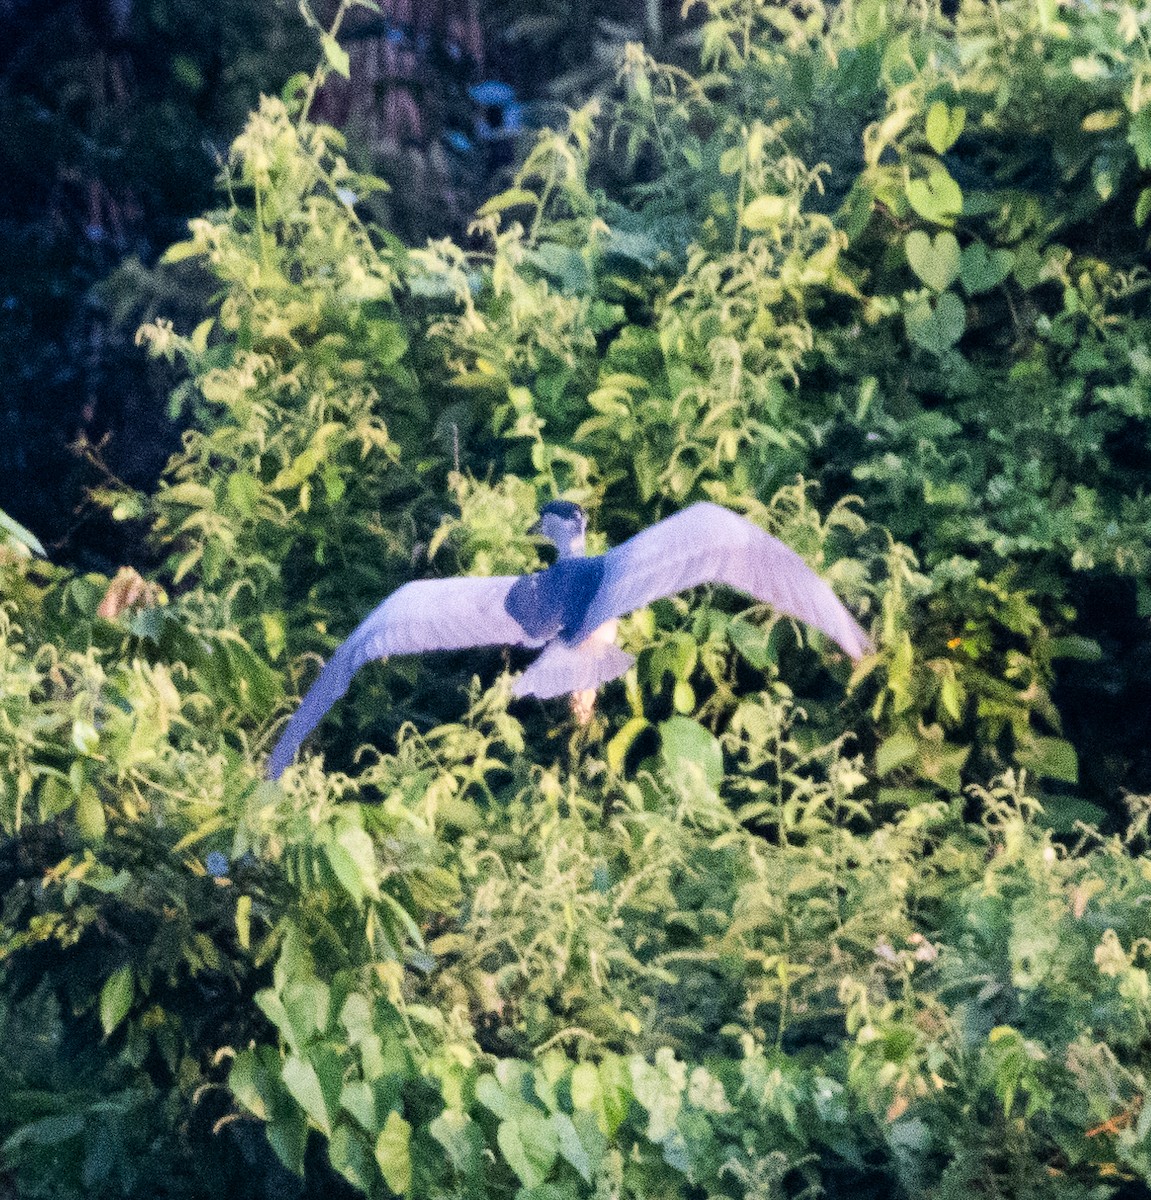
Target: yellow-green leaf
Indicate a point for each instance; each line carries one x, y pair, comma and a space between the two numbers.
244, 921
1105, 118
1143, 207
623, 741
944, 125
335, 55
894, 751
393, 1153
200, 334
90, 817
116, 998
765, 211
512, 198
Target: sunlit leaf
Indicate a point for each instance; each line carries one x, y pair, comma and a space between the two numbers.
935, 197
935, 260
116, 998
944, 125
393, 1153
335, 55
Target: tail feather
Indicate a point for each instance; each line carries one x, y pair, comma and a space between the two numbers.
561, 668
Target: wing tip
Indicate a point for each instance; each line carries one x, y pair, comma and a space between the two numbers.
279, 761
860, 646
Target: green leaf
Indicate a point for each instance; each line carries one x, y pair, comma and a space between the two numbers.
683, 697
1102, 120
349, 1156
659, 1087
49, 1131
308, 1005
1142, 212
587, 1092
116, 998
754, 643
984, 269
1062, 814
347, 870
85, 737
288, 1137
944, 125
199, 338
894, 752
244, 1083
935, 197
935, 260
936, 328
491, 1095
91, 820
356, 1016
460, 1136
951, 696
676, 657
686, 746
571, 1146
529, 1144
194, 495
1083, 649
1051, 758
765, 212
244, 921
20, 535
358, 1098
941, 761
335, 55
179, 251
622, 742
394, 1155
270, 1004
512, 198
303, 1083
361, 850
389, 343
1139, 135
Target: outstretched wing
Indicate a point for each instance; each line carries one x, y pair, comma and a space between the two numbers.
709, 544
428, 614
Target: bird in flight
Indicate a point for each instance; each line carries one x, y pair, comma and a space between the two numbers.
570, 610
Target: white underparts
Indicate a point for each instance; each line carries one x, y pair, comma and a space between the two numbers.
562, 670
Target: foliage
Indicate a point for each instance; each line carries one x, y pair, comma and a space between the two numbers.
763, 928
114, 115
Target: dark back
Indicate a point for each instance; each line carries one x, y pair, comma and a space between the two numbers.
552, 603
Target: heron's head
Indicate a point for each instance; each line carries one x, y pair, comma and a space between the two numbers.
564, 524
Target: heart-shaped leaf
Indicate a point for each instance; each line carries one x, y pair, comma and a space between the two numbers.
936, 261
944, 125
936, 197
394, 1154
529, 1144
936, 328
983, 269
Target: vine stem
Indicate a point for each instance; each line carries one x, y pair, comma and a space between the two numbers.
320, 74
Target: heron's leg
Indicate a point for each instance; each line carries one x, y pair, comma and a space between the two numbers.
583, 705
583, 702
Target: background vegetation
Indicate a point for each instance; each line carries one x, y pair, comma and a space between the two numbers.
872, 275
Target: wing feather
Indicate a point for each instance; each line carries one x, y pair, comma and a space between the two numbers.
425, 615
710, 544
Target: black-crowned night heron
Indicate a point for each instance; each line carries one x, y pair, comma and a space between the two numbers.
571, 609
